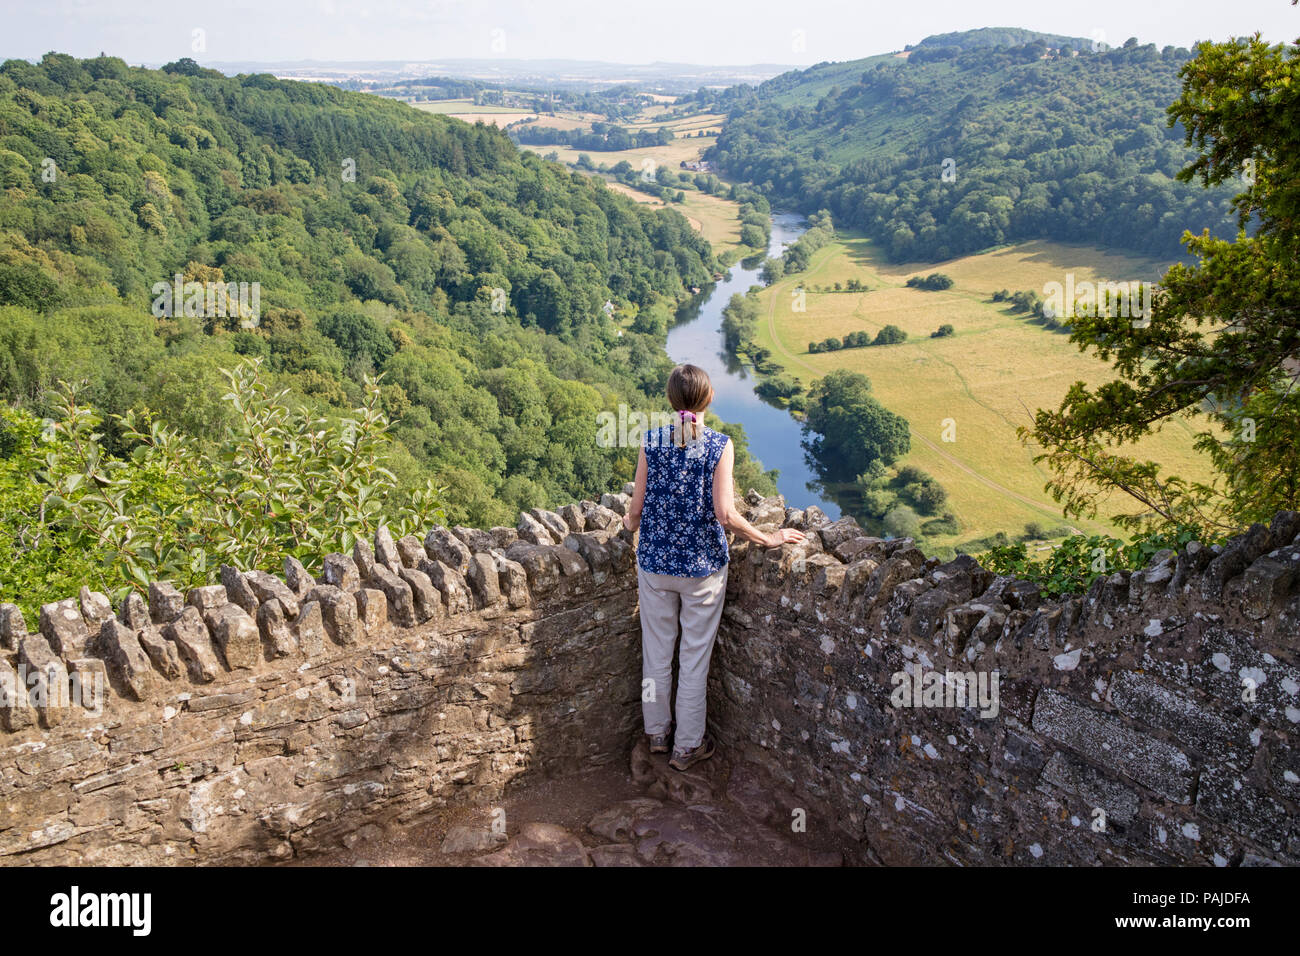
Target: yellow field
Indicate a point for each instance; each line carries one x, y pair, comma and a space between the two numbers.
988, 378
461, 106
676, 152
682, 125
713, 217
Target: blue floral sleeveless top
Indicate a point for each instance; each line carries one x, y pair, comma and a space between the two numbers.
680, 535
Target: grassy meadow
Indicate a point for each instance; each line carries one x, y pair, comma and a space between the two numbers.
988, 378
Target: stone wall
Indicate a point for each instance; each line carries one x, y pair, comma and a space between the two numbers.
1154, 720
263, 718
266, 717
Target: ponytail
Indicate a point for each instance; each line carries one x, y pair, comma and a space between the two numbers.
688, 428
689, 391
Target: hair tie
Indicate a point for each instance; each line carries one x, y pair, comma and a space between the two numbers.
686, 416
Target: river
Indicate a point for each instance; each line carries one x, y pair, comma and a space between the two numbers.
773, 433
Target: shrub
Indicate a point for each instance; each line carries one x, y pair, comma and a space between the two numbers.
280, 482
890, 335
902, 522
935, 282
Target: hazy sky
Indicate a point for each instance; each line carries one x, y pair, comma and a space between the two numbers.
621, 31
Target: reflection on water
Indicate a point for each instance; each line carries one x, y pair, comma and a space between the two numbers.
774, 435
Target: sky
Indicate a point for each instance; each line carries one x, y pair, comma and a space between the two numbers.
708, 32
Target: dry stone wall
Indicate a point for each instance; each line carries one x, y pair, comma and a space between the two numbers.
263, 718
1153, 720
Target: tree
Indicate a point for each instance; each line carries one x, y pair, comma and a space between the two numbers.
890, 335
1223, 338
852, 429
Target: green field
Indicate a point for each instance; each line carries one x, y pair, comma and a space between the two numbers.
988, 378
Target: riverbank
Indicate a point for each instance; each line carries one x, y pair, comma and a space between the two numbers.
774, 435
965, 394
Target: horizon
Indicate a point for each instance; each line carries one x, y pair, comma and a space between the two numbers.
674, 33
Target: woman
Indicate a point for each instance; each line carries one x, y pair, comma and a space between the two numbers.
684, 504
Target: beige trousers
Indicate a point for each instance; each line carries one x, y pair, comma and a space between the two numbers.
695, 603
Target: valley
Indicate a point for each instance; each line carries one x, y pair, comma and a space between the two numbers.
987, 378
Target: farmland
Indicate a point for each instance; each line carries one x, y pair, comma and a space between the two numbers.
982, 381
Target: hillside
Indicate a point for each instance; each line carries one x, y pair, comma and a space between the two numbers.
1046, 138
381, 239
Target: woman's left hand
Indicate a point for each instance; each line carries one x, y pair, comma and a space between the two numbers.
628, 523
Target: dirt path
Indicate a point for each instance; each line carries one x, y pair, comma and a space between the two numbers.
639, 813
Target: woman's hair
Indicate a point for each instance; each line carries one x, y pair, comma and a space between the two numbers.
689, 389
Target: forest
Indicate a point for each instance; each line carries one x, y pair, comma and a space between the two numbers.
978, 139
480, 286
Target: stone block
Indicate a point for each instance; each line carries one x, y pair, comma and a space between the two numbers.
401, 602
428, 602
12, 627
441, 544
207, 598
64, 629
533, 531
47, 680
162, 653
268, 588
372, 612
410, 551
273, 625
194, 644
1108, 741
484, 579
451, 586
386, 552
309, 630
127, 661
297, 578
1119, 802
239, 591
166, 603
341, 571
236, 634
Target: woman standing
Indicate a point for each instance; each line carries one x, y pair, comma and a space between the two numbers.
684, 503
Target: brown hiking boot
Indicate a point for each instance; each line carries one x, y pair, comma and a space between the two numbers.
659, 742
685, 759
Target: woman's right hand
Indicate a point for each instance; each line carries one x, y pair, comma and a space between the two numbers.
784, 536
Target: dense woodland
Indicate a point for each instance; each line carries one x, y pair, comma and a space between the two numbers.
1043, 138
379, 236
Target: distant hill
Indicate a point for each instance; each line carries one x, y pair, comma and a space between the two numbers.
1045, 138
551, 74
990, 37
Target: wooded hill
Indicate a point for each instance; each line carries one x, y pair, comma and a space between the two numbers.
1047, 138
378, 235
